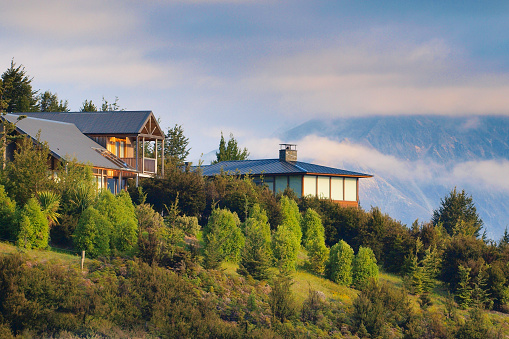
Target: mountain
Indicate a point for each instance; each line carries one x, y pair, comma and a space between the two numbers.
451, 151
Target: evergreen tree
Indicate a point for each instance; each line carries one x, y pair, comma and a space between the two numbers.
33, 226
93, 233
285, 247
291, 217
17, 90
7, 216
48, 102
27, 174
314, 241
364, 267
256, 254
457, 213
176, 147
464, 291
223, 236
109, 107
88, 106
230, 151
281, 299
339, 265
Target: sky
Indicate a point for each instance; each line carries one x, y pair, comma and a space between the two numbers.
255, 68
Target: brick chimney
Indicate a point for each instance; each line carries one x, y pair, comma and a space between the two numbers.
287, 152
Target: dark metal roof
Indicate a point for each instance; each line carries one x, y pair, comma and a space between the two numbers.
115, 122
66, 141
275, 167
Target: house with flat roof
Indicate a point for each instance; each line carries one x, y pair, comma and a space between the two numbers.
305, 179
111, 142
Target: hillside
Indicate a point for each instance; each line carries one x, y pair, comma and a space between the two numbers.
468, 152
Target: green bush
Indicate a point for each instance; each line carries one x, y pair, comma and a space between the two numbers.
314, 241
364, 267
291, 217
285, 247
7, 216
93, 233
189, 225
33, 226
339, 265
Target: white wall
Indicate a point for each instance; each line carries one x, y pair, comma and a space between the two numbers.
336, 188
323, 187
310, 185
350, 189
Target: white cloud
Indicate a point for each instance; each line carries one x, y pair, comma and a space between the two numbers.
490, 175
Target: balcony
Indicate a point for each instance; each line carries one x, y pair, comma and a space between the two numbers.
145, 165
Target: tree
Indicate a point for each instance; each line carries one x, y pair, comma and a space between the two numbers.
17, 90
314, 241
456, 212
27, 174
281, 299
7, 216
108, 107
50, 204
291, 216
93, 233
285, 247
256, 254
464, 292
33, 226
176, 145
222, 234
48, 102
364, 267
230, 151
339, 265
88, 106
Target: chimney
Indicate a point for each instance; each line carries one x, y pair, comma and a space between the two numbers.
287, 152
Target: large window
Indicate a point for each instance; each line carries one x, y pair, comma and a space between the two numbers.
351, 189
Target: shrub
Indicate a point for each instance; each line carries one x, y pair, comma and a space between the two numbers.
285, 247
7, 216
281, 299
314, 241
33, 226
93, 233
339, 265
223, 235
291, 216
364, 267
189, 225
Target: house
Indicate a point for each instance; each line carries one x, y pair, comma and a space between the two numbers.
111, 142
303, 178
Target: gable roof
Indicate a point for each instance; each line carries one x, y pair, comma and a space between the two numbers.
113, 122
66, 141
276, 167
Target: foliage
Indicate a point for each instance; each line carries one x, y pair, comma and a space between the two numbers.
33, 226
285, 248
77, 187
339, 265
256, 255
291, 217
88, 106
109, 107
457, 213
7, 216
48, 102
281, 299
223, 234
17, 90
187, 185
50, 204
314, 241
364, 267
176, 147
120, 212
93, 233
189, 225
27, 174
230, 151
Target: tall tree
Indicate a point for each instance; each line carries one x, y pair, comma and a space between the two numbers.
456, 213
107, 106
230, 151
48, 102
339, 265
17, 90
364, 267
88, 106
176, 145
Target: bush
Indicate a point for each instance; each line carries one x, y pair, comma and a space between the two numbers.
339, 265
285, 247
33, 226
364, 267
7, 216
93, 233
291, 217
189, 225
314, 241
223, 236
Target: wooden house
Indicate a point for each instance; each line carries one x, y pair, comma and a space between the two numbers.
112, 142
305, 179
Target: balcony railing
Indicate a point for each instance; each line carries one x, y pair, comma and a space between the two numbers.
150, 164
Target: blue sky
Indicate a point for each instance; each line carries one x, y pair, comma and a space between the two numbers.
258, 67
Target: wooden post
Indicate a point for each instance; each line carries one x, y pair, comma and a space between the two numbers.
82, 260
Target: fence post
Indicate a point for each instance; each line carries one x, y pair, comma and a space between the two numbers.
82, 259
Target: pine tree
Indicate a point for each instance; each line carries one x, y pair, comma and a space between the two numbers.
223, 235
339, 265
230, 151
17, 90
88, 106
285, 247
464, 292
176, 147
364, 267
7, 216
291, 216
314, 241
48, 102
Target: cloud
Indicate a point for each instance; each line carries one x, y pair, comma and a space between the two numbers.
481, 175
377, 75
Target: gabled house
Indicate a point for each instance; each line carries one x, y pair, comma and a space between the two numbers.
111, 142
305, 179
